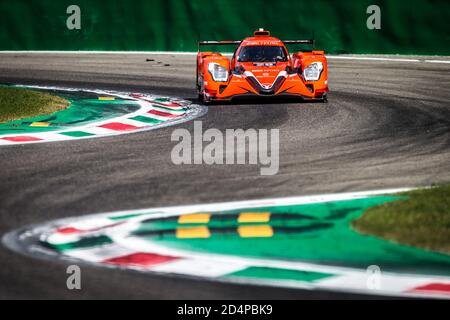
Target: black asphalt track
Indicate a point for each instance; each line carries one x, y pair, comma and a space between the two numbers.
387, 125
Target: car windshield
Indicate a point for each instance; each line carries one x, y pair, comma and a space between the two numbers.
262, 54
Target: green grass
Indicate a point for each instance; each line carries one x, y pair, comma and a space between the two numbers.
421, 220
18, 103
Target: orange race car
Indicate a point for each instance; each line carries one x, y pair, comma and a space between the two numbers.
262, 66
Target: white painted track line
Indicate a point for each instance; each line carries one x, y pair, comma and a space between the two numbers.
373, 59
190, 53
438, 61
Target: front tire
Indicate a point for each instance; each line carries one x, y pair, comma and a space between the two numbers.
201, 94
203, 99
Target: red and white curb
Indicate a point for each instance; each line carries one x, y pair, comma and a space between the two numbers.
128, 252
152, 114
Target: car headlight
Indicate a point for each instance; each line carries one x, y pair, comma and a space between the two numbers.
218, 72
313, 71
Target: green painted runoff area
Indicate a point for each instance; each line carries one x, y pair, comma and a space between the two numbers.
326, 238
85, 108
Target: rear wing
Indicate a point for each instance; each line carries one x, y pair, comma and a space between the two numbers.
203, 43
237, 42
220, 43
311, 42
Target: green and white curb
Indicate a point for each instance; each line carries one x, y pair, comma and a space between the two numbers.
152, 112
297, 242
